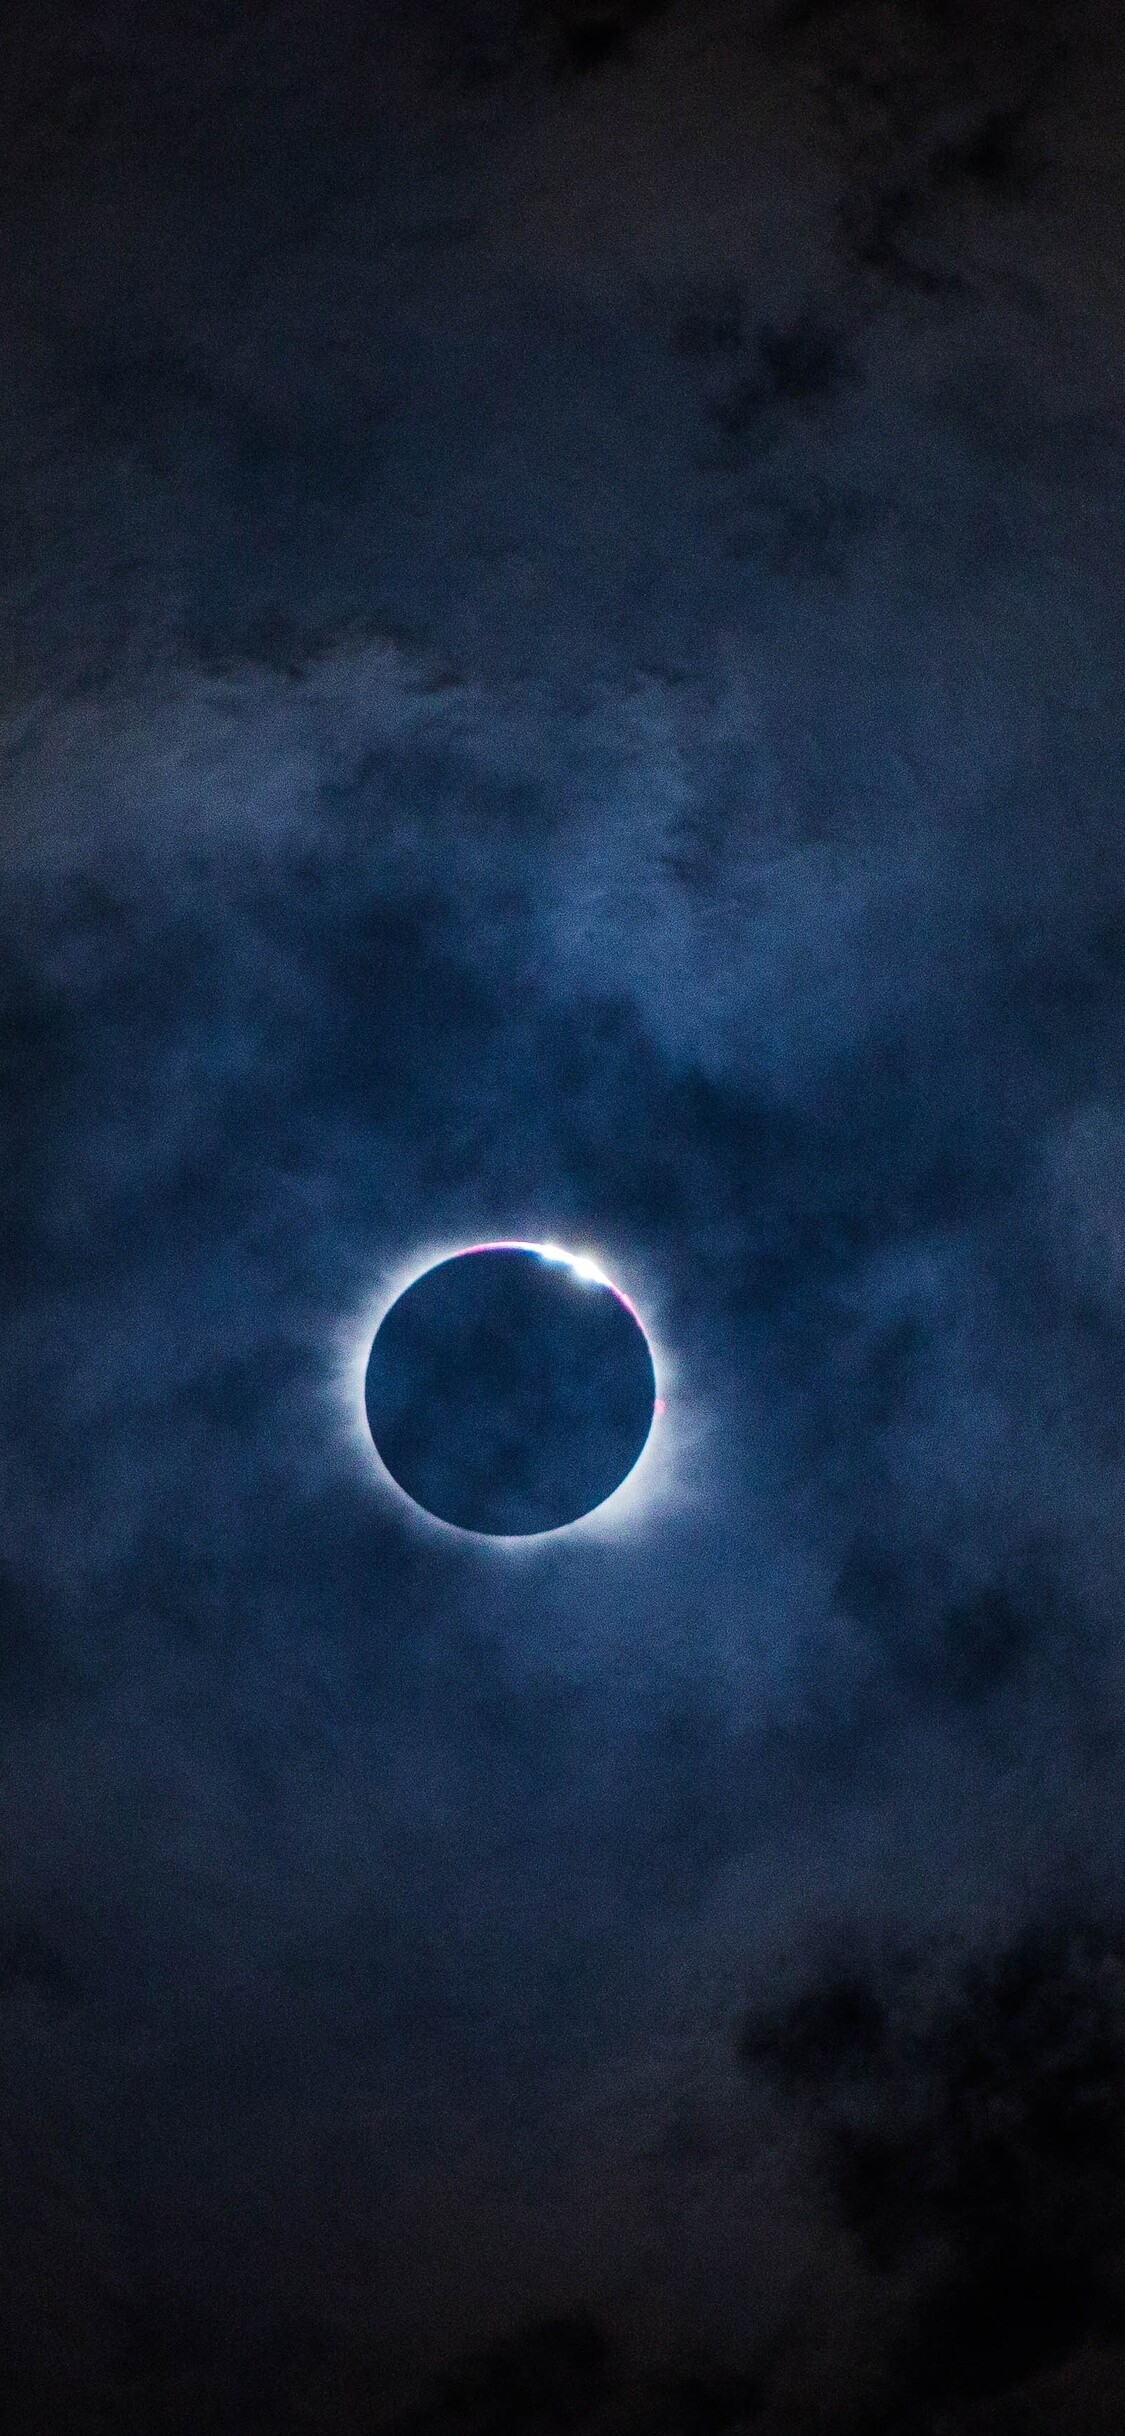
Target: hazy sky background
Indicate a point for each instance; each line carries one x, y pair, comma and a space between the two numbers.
562, 676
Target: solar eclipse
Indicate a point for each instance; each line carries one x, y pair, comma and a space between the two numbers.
510, 1389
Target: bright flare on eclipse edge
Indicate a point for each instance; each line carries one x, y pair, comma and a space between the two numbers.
510, 1388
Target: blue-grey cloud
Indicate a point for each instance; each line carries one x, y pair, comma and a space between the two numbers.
561, 590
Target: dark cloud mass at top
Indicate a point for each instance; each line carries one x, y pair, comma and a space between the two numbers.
561, 677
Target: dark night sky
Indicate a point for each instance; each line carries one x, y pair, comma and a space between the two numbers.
562, 676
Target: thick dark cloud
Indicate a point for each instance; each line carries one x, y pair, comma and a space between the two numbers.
971, 2132
561, 576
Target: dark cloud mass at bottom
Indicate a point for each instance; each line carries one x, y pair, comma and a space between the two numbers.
561, 677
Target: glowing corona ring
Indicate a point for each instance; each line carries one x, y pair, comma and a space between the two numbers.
508, 1389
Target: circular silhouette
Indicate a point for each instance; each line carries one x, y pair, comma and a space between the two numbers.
510, 1389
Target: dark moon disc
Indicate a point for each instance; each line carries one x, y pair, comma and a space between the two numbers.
510, 1389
